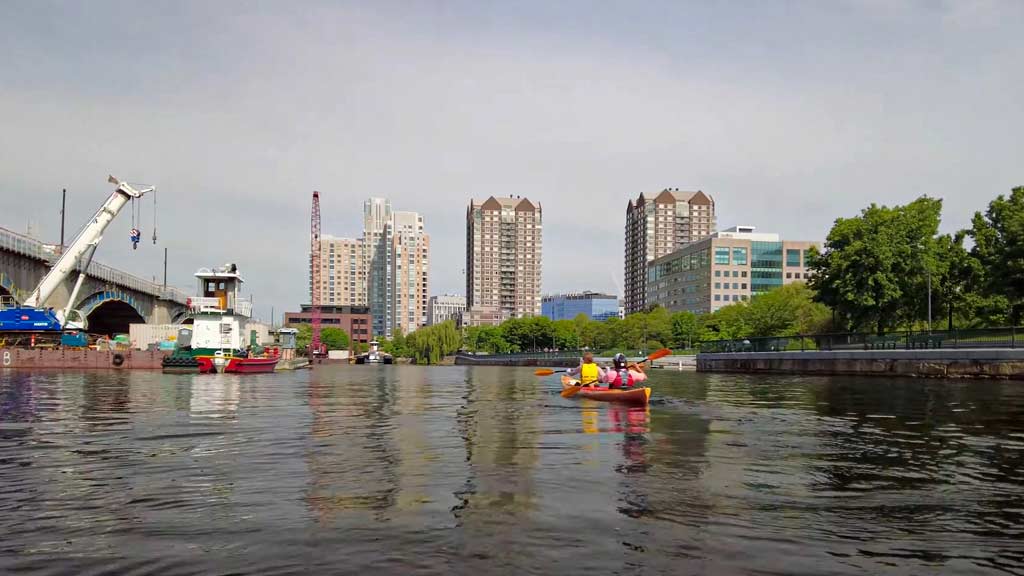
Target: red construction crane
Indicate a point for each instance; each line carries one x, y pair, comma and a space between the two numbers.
314, 276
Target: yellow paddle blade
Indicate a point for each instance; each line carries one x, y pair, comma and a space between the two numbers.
544, 372
571, 391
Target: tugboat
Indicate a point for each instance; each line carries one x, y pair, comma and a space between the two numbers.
219, 326
375, 356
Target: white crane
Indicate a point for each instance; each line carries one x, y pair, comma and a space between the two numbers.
84, 245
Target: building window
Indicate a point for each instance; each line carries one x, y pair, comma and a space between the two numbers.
789, 275
739, 256
792, 257
735, 273
735, 298
718, 285
722, 255
744, 274
718, 273
718, 297
743, 286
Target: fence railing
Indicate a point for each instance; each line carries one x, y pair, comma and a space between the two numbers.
909, 340
561, 355
27, 246
21, 244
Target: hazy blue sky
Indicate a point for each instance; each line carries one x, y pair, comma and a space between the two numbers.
790, 114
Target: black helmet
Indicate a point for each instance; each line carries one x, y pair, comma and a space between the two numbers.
619, 361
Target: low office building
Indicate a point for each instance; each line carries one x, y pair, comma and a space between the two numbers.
591, 304
482, 316
444, 307
731, 266
354, 320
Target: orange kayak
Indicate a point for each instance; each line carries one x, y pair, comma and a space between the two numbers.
605, 394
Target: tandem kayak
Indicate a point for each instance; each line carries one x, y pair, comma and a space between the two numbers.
605, 394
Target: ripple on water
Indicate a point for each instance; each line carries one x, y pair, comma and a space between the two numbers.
488, 470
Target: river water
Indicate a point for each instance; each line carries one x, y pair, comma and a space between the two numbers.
455, 470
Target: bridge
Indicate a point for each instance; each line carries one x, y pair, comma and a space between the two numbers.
109, 298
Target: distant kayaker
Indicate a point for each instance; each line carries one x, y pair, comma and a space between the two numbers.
624, 374
588, 372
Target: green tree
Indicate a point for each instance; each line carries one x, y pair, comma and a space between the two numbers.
786, 311
304, 335
726, 323
873, 271
430, 344
332, 337
564, 333
685, 329
999, 248
396, 346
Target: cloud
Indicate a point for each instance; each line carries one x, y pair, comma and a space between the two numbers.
789, 116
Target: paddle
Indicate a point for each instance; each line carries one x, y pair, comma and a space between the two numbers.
573, 390
548, 371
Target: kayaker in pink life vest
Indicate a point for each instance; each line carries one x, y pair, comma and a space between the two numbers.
624, 374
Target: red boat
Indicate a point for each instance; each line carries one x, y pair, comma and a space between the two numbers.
236, 364
604, 394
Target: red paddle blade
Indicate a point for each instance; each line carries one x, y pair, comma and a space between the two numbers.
544, 372
659, 354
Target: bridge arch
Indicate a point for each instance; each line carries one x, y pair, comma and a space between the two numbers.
111, 312
7, 286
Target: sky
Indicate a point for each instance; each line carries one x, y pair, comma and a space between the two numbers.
790, 114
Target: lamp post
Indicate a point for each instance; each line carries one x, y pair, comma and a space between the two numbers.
929, 301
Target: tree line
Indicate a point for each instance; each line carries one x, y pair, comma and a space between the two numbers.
877, 269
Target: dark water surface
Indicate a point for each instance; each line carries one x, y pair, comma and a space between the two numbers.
406, 470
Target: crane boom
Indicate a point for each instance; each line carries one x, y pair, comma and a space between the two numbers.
88, 238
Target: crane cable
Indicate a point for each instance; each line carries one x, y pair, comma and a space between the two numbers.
154, 217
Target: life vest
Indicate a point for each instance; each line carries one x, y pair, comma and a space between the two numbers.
621, 378
589, 374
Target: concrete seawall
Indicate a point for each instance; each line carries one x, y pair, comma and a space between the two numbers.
989, 363
676, 362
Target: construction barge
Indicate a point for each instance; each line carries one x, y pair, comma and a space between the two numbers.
80, 358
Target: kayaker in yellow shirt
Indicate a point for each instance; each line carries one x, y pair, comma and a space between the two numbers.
588, 372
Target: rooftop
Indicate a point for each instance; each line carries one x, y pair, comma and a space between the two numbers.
585, 295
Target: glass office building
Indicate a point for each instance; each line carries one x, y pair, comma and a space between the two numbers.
591, 304
732, 266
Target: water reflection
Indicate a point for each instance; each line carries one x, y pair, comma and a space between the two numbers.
214, 396
401, 469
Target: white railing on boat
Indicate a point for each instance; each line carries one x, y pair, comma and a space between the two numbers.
243, 307
212, 304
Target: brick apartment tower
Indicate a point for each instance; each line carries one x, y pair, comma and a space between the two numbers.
503, 256
657, 227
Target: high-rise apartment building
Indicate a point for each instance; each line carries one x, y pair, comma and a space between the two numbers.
343, 268
386, 270
503, 257
659, 226
376, 215
408, 258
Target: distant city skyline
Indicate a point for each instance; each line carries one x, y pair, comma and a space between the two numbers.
789, 114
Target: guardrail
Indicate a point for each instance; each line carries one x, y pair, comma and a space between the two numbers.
905, 340
21, 244
561, 354
27, 246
